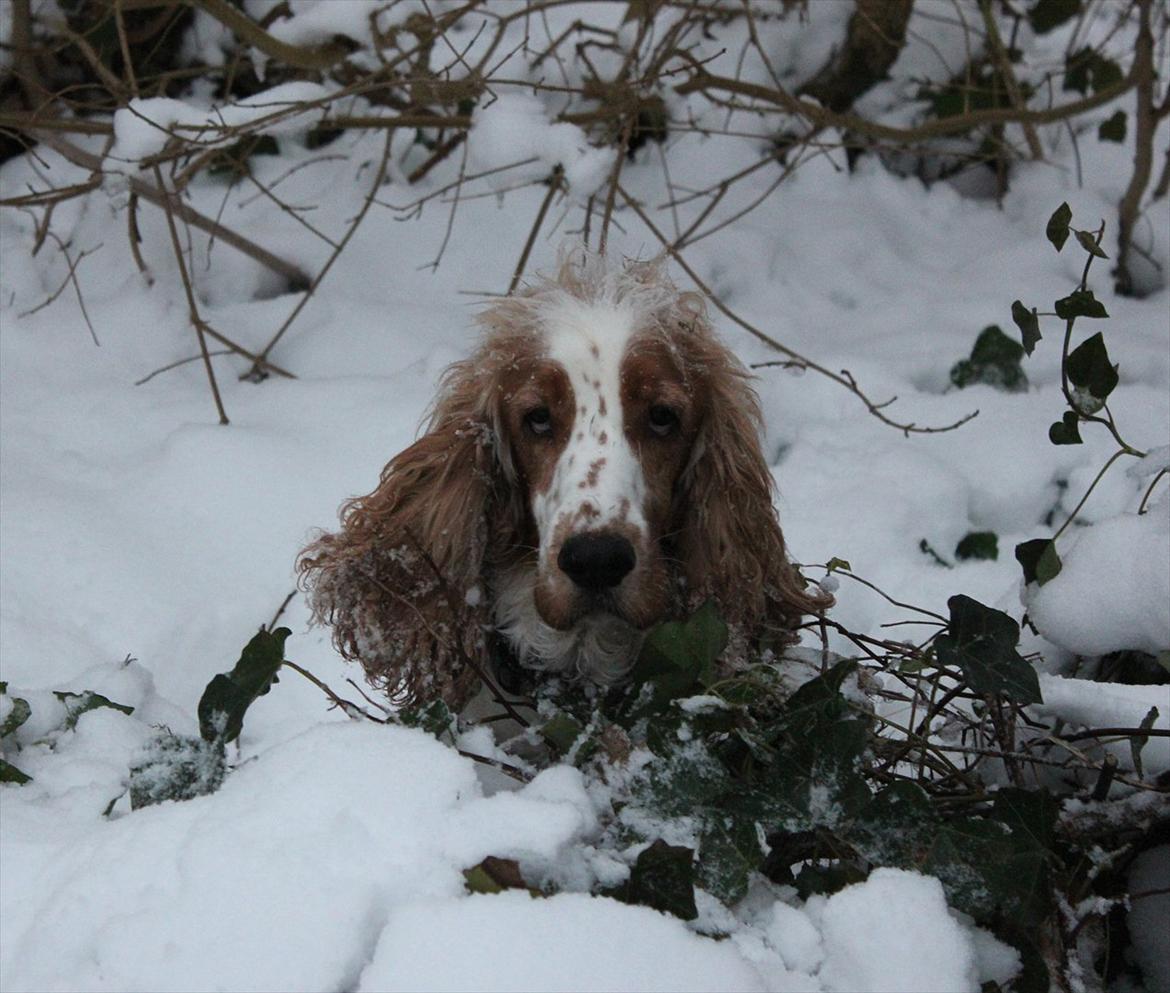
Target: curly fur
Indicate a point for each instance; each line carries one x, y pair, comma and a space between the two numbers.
447, 546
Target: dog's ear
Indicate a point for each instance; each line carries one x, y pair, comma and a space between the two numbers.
400, 583
730, 539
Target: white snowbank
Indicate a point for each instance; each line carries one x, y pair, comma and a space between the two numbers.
894, 932
144, 126
516, 128
1091, 704
1113, 588
512, 941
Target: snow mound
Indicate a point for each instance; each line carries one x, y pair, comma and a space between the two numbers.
516, 128
511, 941
1112, 591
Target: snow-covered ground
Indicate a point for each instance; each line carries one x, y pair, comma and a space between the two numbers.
143, 544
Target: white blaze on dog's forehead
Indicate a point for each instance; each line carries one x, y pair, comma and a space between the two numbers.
597, 468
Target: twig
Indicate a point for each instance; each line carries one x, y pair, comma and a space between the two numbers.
70, 277
554, 184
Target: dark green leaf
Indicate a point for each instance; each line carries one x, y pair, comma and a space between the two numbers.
77, 704
897, 828
1088, 242
838, 565
1113, 129
1057, 229
229, 695
1087, 69
978, 545
10, 774
561, 731
729, 852
16, 716
1029, 325
816, 879
1045, 15
982, 643
679, 657
1066, 431
663, 877
1138, 741
1080, 303
1090, 370
995, 361
435, 718
1039, 560
176, 767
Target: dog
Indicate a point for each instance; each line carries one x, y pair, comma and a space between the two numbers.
592, 469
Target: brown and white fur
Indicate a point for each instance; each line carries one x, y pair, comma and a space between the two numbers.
593, 469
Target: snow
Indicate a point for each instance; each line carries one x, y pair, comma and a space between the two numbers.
566, 942
1112, 590
515, 129
144, 126
871, 947
332, 856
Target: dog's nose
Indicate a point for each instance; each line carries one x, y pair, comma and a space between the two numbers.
596, 561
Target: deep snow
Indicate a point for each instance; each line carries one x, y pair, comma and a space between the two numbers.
134, 525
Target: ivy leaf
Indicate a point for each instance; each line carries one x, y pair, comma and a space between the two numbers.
1029, 325
77, 704
1057, 229
435, 718
978, 545
561, 731
1138, 741
663, 877
1088, 242
1080, 303
10, 774
1039, 560
1048, 14
995, 361
1090, 370
838, 565
1066, 431
1113, 129
176, 767
679, 655
1087, 69
982, 643
19, 713
229, 695
729, 852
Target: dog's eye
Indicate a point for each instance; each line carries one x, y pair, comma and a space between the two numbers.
663, 420
539, 420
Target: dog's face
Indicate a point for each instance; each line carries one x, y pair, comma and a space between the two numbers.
603, 417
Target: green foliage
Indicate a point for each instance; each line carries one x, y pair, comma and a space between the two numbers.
1113, 129
981, 642
1087, 70
19, 713
77, 704
176, 767
679, 656
1029, 325
995, 361
1044, 15
1039, 560
982, 545
663, 877
1066, 431
1092, 374
229, 695
434, 718
1057, 229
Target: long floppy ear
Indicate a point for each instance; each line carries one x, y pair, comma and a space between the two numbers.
731, 543
400, 583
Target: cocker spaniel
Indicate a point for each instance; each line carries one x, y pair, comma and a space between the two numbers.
593, 469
